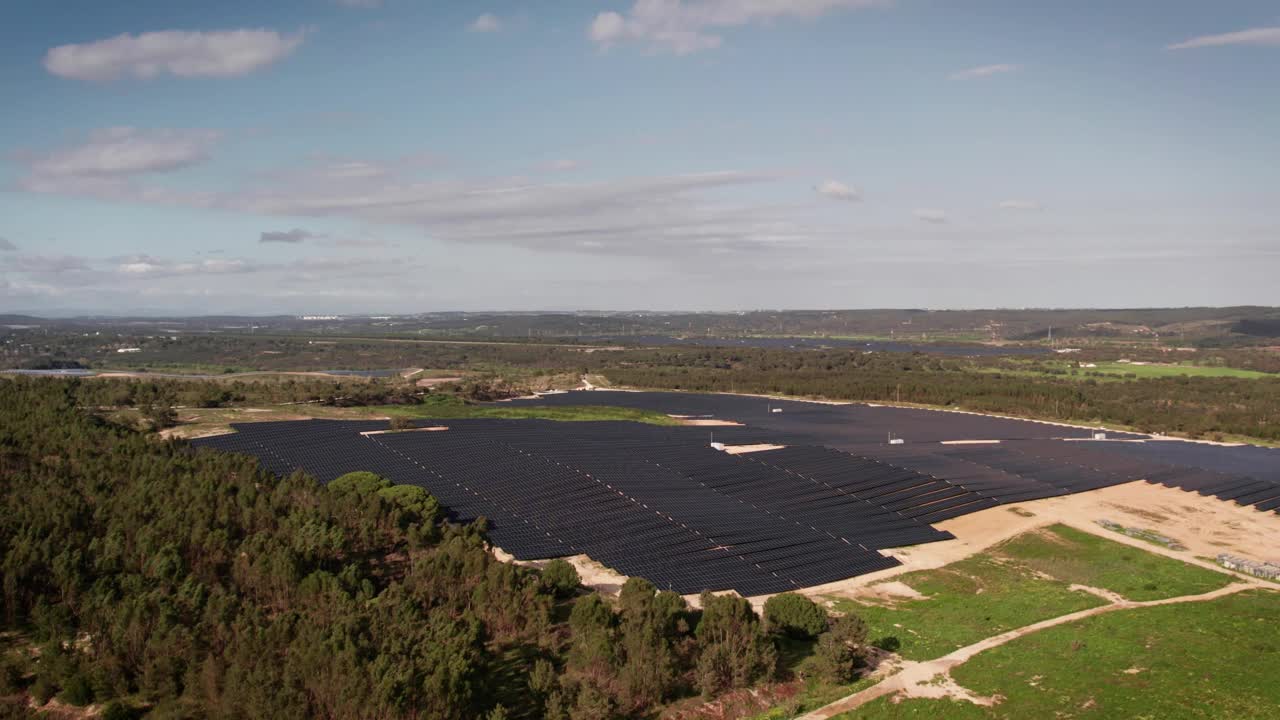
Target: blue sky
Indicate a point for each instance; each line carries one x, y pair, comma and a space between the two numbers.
403, 155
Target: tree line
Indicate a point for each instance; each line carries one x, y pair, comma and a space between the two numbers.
154, 579
1197, 407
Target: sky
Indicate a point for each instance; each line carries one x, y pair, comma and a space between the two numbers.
398, 156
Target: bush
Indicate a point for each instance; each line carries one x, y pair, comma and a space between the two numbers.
42, 689
888, 643
561, 577
736, 652
10, 675
77, 690
118, 711
399, 422
842, 649
795, 615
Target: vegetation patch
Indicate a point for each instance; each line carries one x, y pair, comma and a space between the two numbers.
1214, 659
1078, 557
1143, 534
965, 602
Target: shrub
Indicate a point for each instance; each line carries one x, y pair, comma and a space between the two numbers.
77, 690
117, 711
561, 577
10, 675
735, 651
42, 689
842, 649
795, 615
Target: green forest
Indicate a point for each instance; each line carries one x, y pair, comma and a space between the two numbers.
1197, 407
151, 579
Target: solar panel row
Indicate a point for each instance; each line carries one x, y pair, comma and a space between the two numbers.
550, 490
1004, 473
657, 502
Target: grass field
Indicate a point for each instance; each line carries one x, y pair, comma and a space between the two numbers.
1216, 659
445, 407
1075, 556
1118, 371
1020, 582
966, 601
195, 422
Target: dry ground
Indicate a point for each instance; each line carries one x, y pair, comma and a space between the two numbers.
1205, 525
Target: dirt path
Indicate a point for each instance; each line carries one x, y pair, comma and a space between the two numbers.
918, 678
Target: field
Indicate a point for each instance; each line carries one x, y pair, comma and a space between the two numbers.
1214, 659
201, 422
1082, 558
1114, 371
1034, 576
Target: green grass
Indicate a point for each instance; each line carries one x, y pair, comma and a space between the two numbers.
445, 407
1118, 372
1019, 582
1079, 557
1173, 370
965, 602
1217, 659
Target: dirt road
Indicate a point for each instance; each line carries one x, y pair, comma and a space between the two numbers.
918, 679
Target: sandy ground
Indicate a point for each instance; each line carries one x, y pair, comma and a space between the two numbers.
432, 382
592, 574
1205, 525
433, 428
744, 449
708, 422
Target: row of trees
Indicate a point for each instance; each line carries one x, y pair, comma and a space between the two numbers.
1195, 406
149, 577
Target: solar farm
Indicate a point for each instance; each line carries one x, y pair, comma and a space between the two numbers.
820, 505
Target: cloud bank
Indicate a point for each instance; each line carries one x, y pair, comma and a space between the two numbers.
295, 235
983, 71
216, 54
839, 191
1253, 36
487, 22
688, 26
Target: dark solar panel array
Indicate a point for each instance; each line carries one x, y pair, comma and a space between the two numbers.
1030, 462
658, 502
554, 489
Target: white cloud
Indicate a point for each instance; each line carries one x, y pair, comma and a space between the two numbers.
145, 265
660, 216
6, 246
360, 4
1020, 205
295, 235
46, 264
983, 71
487, 22
839, 191
930, 215
687, 26
1252, 36
121, 151
224, 53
